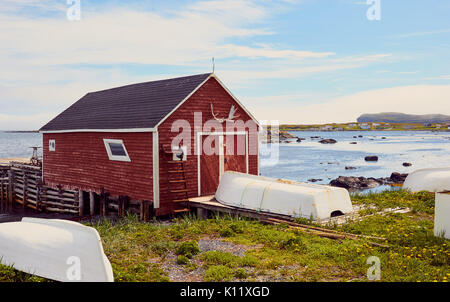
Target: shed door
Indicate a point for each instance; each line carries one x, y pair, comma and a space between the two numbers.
227, 153
235, 157
209, 164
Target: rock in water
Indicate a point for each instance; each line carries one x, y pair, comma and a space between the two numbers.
371, 158
328, 141
314, 180
356, 183
398, 177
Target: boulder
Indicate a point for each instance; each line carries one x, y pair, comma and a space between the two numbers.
398, 177
353, 143
356, 183
407, 164
371, 158
328, 141
350, 168
314, 180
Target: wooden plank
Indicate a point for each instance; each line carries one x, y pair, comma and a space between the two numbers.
81, 202
92, 203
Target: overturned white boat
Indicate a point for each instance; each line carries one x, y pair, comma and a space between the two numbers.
432, 180
59, 250
284, 197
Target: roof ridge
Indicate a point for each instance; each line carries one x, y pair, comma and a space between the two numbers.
141, 83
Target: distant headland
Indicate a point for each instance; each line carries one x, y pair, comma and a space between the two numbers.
386, 121
396, 117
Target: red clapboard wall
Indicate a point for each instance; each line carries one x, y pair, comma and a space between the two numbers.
80, 161
200, 101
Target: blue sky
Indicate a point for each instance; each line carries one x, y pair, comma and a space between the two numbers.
296, 61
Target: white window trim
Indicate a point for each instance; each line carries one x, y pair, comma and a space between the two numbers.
50, 148
107, 141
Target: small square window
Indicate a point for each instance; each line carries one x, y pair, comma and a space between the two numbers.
180, 153
51, 145
116, 150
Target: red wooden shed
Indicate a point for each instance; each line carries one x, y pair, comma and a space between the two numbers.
163, 141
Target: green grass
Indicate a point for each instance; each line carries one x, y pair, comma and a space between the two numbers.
140, 252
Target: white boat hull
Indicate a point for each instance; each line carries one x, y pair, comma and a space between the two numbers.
54, 249
432, 180
282, 196
442, 215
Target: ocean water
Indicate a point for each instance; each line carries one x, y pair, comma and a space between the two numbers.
310, 159
14, 145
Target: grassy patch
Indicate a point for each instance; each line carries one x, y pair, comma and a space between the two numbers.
144, 252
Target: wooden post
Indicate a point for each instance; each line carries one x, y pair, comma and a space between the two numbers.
10, 189
92, 203
2, 204
25, 189
38, 195
103, 203
81, 202
146, 210
202, 213
119, 206
126, 201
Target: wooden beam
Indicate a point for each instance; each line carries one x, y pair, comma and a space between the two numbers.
92, 203
81, 202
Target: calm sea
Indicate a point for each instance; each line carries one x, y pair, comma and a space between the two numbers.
310, 159
13, 145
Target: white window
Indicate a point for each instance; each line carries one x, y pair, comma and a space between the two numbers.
116, 150
51, 145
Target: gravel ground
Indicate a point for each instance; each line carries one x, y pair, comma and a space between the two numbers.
183, 273
224, 246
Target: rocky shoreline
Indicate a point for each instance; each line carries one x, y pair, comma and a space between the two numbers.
354, 183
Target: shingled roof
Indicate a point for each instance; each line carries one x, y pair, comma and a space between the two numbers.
135, 106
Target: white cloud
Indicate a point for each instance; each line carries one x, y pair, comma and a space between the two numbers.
38, 54
24, 122
419, 99
195, 33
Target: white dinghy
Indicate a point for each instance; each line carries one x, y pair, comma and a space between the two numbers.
59, 250
432, 180
280, 196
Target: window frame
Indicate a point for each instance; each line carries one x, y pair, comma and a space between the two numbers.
51, 145
123, 158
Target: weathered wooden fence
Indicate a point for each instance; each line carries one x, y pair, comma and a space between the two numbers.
21, 186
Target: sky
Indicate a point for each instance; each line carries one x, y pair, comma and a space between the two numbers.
295, 61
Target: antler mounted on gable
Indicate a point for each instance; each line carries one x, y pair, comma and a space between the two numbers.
231, 115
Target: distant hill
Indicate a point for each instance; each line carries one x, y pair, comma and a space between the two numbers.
395, 117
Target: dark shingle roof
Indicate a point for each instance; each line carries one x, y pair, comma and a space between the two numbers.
141, 105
